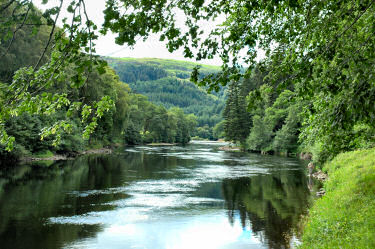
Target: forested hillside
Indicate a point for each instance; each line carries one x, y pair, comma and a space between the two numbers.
167, 82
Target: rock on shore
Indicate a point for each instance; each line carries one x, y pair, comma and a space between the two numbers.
229, 148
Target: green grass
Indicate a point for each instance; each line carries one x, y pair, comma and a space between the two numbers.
43, 154
345, 216
95, 145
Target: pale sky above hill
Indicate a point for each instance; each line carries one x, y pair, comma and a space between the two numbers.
106, 45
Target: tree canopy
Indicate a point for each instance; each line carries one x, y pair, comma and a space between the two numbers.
56, 93
323, 49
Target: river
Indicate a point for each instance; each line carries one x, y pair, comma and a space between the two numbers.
155, 197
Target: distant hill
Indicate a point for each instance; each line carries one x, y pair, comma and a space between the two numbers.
166, 82
143, 69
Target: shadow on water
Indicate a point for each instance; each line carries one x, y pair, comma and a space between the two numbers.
73, 204
29, 194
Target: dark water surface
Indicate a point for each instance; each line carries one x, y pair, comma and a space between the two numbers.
157, 198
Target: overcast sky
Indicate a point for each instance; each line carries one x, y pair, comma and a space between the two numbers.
106, 45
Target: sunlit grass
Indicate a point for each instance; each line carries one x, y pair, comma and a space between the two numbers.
44, 154
345, 216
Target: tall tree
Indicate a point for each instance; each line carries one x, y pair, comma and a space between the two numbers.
237, 119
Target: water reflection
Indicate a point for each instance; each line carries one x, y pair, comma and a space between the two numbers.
30, 194
269, 205
144, 197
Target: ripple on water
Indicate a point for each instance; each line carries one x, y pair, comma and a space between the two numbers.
151, 199
214, 173
144, 198
164, 186
157, 201
98, 192
139, 207
131, 150
200, 155
118, 216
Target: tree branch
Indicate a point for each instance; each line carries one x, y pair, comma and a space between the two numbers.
88, 21
7, 5
17, 29
50, 36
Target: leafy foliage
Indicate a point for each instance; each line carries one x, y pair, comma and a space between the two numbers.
31, 88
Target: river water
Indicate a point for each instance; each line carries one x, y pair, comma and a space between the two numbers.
155, 197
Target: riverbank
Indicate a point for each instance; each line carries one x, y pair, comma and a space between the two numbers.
345, 216
49, 156
58, 157
161, 144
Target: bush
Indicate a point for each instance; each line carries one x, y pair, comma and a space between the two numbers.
18, 152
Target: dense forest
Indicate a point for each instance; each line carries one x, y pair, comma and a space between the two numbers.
261, 115
167, 82
312, 92
271, 123
101, 112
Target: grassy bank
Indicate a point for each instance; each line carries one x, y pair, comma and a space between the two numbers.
345, 216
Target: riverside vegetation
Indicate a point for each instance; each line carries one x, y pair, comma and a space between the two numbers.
313, 92
128, 118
